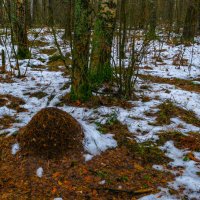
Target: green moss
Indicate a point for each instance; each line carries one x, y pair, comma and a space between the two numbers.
101, 174
122, 179
83, 93
23, 53
165, 113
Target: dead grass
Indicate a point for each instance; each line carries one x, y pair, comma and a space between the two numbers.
168, 110
39, 94
147, 67
190, 141
170, 135
56, 61
38, 43
146, 99
96, 101
181, 83
48, 51
177, 61
54, 65
145, 153
7, 78
6, 121
12, 102
39, 67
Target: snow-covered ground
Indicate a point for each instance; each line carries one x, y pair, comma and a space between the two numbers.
138, 123
170, 55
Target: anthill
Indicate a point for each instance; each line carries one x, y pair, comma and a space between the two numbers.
51, 133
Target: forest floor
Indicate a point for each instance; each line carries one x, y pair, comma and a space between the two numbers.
146, 149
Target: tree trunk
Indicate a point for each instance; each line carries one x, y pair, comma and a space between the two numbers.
1, 13
68, 23
153, 19
198, 16
51, 17
102, 41
80, 89
3, 67
122, 39
22, 39
190, 22
142, 19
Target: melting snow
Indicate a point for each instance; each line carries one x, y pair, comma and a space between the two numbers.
15, 148
189, 179
39, 172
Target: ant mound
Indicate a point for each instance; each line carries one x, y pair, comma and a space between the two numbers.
51, 133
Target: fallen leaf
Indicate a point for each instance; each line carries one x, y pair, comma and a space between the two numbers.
138, 167
54, 190
59, 183
88, 179
56, 175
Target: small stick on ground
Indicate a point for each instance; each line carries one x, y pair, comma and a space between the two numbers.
132, 192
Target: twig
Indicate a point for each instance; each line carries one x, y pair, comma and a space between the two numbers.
132, 192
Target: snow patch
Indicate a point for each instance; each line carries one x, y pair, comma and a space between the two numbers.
39, 172
88, 157
15, 148
188, 180
94, 141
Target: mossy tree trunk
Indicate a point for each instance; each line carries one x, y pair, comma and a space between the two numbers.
22, 39
102, 41
80, 89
